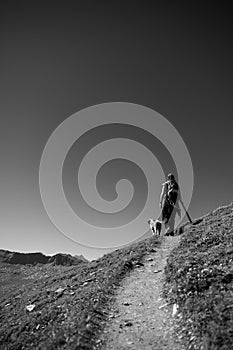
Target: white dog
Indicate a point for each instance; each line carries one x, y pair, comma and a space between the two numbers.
155, 226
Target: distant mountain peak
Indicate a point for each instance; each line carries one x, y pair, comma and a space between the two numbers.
10, 257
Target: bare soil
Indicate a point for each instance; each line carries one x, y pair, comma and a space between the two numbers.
140, 317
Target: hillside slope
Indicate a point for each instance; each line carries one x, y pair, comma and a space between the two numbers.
199, 276
46, 306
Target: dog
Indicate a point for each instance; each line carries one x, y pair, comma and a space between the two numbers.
155, 226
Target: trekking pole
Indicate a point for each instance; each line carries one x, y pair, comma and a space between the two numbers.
190, 220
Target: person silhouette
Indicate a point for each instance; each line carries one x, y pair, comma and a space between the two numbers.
169, 198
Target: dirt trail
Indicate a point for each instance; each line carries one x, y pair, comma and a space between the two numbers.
141, 319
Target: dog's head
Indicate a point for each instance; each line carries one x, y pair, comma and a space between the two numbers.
151, 222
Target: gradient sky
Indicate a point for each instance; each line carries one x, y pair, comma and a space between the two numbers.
58, 59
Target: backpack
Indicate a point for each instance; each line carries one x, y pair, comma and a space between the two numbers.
172, 191
172, 186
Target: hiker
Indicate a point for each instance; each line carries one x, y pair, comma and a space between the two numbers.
169, 198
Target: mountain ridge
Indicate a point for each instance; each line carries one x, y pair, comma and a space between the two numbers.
11, 257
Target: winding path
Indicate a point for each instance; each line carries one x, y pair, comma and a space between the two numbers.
141, 319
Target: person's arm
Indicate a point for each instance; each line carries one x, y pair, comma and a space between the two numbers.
162, 195
179, 196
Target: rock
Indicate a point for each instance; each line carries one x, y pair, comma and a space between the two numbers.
84, 284
30, 307
152, 250
60, 290
174, 309
128, 264
61, 340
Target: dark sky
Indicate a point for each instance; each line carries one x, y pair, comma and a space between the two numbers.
175, 58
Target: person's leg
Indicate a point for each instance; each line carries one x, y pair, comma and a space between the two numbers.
165, 215
167, 229
170, 224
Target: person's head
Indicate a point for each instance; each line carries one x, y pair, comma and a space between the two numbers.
171, 177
